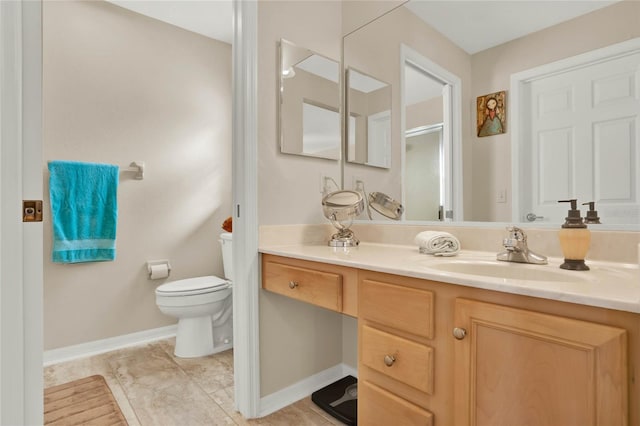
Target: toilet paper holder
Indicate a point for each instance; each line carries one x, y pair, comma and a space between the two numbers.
161, 262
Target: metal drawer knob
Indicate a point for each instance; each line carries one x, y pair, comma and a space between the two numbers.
459, 333
293, 285
389, 360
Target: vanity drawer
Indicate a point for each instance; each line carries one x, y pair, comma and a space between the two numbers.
376, 406
404, 308
401, 359
308, 285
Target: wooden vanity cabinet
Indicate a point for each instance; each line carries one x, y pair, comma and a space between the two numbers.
519, 361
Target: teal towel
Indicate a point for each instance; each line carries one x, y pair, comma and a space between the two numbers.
84, 211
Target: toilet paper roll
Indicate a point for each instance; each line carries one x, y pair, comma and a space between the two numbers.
159, 271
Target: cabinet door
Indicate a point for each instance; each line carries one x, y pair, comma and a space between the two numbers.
516, 367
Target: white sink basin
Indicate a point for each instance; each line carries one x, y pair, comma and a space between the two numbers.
510, 270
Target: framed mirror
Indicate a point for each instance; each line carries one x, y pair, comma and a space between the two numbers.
308, 103
368, 106
496, 174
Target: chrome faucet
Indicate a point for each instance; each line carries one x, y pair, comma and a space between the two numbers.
516, 249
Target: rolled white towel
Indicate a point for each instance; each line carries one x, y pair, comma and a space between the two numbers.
437, 243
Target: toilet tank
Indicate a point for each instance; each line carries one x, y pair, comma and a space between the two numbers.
227, 252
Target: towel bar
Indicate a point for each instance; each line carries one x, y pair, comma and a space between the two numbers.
138, 168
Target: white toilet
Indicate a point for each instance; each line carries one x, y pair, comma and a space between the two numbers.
203, 306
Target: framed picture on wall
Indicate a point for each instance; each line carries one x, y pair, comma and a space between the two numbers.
492, 114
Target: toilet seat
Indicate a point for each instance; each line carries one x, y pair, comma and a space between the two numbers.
193, 286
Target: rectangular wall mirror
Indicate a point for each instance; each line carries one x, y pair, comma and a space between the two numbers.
587, 147
369, 126
309, 103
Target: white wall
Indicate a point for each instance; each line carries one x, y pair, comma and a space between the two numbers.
119, 87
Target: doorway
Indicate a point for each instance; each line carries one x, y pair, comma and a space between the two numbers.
431, 99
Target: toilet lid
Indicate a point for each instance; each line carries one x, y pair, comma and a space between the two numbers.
196, 285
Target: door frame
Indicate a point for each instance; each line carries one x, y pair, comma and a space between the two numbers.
519, 129
21, 400
21, 174
246, 260
452, 127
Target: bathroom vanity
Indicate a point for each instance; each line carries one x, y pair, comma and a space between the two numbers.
507, 344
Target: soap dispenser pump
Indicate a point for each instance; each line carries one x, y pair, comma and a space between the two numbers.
575, 239
592, 213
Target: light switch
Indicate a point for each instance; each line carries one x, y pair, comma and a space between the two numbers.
502, 196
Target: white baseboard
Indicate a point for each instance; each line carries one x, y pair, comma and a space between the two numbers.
287, 396
83, 350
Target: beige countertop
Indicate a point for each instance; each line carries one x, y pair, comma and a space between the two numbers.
608, 284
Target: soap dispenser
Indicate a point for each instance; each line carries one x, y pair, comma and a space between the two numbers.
592, 214
575, 239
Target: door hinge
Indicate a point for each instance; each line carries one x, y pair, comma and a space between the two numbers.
32, 210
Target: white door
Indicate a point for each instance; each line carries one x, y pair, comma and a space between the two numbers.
584, 141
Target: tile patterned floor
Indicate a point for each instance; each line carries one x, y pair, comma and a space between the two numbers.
154, 388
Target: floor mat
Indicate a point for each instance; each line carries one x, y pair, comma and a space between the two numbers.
86, 401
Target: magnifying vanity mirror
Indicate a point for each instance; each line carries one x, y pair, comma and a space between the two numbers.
341, 208
309, 103
573, 113
385, 205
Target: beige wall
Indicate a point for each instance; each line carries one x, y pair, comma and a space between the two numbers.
297, 340
492, 70
424, 113
120, 87
289, 185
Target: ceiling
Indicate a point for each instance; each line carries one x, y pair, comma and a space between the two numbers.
480, 24
210, 18
474, 25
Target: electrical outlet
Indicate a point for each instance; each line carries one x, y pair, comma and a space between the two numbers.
323, 183
356, 181
327, 184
